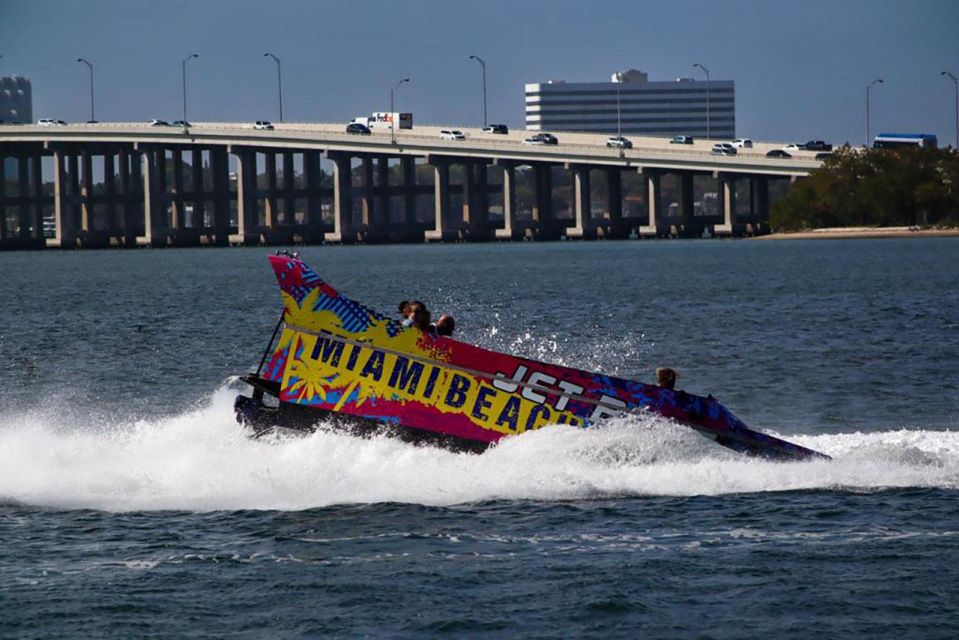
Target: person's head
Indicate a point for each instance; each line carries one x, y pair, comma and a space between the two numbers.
666, 377
402, 307
445, 325
417, 315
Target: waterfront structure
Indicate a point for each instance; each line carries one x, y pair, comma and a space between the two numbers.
128, 185
16, 100
630, 103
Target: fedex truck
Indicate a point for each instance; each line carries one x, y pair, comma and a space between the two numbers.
382, 119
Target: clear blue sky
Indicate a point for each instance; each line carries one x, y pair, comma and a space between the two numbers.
800, 67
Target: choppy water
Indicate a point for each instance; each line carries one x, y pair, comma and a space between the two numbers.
132, 505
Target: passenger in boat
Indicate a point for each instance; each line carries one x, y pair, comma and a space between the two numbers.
445, 325
666, 378
416, 315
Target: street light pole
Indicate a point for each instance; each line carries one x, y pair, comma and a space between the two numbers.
185, 60
955, 81
90, 67
874, 82
483, 64
279, 80
706, 71
392, 113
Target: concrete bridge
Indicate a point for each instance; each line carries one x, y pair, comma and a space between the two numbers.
129, 184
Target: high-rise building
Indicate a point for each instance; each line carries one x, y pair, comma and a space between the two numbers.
636, 104
16, 101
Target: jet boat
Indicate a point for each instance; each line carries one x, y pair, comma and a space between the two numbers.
342, 364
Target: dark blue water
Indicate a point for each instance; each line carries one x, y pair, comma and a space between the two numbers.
132, 505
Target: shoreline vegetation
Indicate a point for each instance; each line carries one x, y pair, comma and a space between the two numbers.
873, 193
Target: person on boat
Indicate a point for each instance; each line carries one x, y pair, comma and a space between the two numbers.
666, 378
445, 325
415, 314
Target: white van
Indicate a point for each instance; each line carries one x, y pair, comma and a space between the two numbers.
47, 122
452, 134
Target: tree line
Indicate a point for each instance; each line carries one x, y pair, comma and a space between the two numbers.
907, 186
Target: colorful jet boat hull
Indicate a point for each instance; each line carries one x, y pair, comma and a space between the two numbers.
341, 363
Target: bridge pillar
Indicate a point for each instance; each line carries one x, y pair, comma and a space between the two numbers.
759, 205
129, 205
247, 220
271, 217
382, 210
314, 196
614, 204
727, 184
23, 210
220, 168
582, 207
153, 163
510, 230
110, 192
686, 206
65, 234
446, 229
177, 219
343, 229
198, 218
289, 186
3, 195
87, 221
543, 218
409, 229
475, 206
653, 195
37, 217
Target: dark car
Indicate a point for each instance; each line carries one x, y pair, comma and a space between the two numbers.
825, 155
541, 138
778, 153
817, 145
496, 128
358, 129
181, 123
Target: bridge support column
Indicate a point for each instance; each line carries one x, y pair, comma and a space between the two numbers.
343, 229
154, 219
409, 229
247, 220
653, 194
582, 207
614, 204
198, 218
510, 230
87, 211
271, 214
129, 204
220, 168
479, 225
23, 210
686, 197
446, 229
382, 210
759, 207
289, 186
177, 218
727, 184
110, 192
543, 216
313, 178
65, 235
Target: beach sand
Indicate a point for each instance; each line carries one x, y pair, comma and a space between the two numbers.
861, 232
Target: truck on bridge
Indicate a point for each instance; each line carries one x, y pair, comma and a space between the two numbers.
383, 119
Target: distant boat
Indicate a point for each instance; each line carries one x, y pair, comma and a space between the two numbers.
340, 363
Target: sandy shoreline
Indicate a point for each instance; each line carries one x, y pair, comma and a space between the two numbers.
862, 232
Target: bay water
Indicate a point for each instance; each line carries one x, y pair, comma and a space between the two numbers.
133, 505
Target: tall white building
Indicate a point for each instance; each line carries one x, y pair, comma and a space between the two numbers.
16, 101
640, 106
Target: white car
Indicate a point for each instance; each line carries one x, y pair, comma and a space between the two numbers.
724, 149
452, 134
159, 123
50, 122
792, 146
263, 125
619, 142
742, 143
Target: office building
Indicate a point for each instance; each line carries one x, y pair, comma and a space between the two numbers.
638, 106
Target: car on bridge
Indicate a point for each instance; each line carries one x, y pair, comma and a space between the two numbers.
181, 123
496, 128
742, 143
779, 153
619, 142
724, 149
358, 129
452, 134
50, 122
542, 138
263, 125
823, 155
681, 140
159, 123
817, 145
792, 146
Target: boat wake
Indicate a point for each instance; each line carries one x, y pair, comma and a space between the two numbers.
200, 461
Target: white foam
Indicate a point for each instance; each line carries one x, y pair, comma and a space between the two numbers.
201, 460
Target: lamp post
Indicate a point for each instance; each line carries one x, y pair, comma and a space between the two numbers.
185, 60
392, 119
279, 80
706, 71
90, 67
868, 87
955, 82
482, 64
